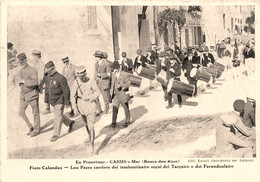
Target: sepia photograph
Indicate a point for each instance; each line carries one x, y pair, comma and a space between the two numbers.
106, 80
142, 81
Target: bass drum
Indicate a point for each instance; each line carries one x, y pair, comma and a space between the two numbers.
135, 81
146, 73
211, 70
220, 68
180, 88
200, 74
161, 78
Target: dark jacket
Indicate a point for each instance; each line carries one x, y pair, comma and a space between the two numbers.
59, 92
143, 61
129, 67
208, 59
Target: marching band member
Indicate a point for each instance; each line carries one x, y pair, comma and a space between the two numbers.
141, 60
85, 92
173, 73
162, 65
189, 63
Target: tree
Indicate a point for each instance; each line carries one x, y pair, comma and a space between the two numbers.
250, 21
169, 16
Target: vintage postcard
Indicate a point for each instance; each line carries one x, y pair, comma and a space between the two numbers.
131, 90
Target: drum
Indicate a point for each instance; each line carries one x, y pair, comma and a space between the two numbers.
200, 74
220, 68
180, 88
153, 67
146, 73
135, 81
161, 78
211, 70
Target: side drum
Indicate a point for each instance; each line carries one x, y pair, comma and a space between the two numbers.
161, 78
146, 73
211, 70
220, 68
180, 88
200, 74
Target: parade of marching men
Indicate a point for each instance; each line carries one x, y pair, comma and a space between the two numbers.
100, 69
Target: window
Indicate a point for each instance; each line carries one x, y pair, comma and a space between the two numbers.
92, 17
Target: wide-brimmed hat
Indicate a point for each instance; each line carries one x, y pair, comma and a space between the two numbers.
81, 70
228, 119
98, 54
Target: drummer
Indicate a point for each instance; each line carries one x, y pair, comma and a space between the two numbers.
208, 57
151, 58
141, 60
162, 64
190, 62
173, 73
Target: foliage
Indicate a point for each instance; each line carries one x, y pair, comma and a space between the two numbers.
250, 21
194, 9
170, 16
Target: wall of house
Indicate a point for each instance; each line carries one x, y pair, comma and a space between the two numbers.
58, 32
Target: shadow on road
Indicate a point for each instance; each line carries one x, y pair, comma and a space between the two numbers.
110, 132
185, 102
79, 123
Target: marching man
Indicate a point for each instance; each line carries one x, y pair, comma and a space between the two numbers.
120, 93
86, 93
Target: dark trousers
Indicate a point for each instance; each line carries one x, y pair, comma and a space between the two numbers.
168, 96
125, 106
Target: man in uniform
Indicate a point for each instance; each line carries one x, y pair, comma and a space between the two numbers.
102, 76
227, 141
28, 81
59, 96
120, 93
38, 64
68, 72
173, 73
85, 91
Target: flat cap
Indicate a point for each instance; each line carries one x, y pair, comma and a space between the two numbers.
21, 56
49, 64
98, 54
81, 70
36, 52
239, 105
200, 49
206, 49
65, 59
